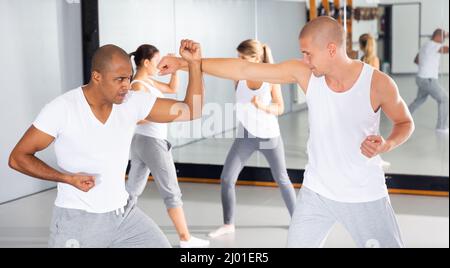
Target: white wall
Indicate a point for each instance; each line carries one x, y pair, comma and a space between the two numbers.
219, 26
405, 38
290, 17
33, 70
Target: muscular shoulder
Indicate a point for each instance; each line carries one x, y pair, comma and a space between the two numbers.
65, 100
300, 72
383, 86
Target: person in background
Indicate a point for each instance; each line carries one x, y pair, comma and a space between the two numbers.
427, 81
152, 152
368, 46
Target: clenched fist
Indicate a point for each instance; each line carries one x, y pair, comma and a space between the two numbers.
373, 146
190, 50
81, 181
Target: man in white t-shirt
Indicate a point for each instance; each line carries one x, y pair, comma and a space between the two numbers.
92, 127
344, 180
427, 78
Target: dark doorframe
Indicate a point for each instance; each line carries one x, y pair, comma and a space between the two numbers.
90, 31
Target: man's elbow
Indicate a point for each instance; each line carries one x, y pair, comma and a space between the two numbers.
172, 90
12, 162
196, 114
412, 126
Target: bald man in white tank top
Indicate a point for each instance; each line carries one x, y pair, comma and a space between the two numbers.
344, 180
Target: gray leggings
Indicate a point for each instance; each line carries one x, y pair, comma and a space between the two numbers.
431, 87
155, 155
240, 152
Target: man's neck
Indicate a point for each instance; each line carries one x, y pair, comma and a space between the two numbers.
95, 99
341, 71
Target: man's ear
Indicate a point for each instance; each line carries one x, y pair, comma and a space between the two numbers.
96, 77
332, 48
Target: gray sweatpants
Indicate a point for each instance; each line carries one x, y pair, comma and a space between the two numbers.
240, 152
150, 154
371, 224
125, 228
431, 87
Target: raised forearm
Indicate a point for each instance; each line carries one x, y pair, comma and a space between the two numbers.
233, 69
195, 90
174, 82
220, 67
236, 69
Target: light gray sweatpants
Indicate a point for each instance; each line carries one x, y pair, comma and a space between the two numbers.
240, 152
125, 228
431, 87
371, 224
155, 155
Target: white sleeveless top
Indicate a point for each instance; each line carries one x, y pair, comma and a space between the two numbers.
257, 122
339, 123
151, 129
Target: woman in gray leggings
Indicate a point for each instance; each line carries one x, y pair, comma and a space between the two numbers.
257, 107
150, 150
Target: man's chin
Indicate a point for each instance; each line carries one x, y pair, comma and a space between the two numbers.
317, 74
119, 100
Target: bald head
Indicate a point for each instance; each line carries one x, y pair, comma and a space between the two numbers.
104, 56
324, 30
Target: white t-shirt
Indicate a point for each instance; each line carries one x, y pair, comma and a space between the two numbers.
152, 129
85, 145
429, 59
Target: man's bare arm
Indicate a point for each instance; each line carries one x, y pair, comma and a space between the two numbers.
168, 110
288, 72
443, 50
23, 159
396, 110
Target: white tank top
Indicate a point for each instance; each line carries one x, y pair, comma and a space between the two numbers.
339, 123
151, 129
257, 122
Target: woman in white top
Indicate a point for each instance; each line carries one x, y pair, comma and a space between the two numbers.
151, 151
257, 107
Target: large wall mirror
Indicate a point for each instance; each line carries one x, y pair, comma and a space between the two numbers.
221, 25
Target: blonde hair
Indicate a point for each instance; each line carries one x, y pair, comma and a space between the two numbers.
254, 48
369, 47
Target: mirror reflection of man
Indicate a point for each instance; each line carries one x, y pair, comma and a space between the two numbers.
427, 78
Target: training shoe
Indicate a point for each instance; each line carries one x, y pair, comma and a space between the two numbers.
194, 242
226, 229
